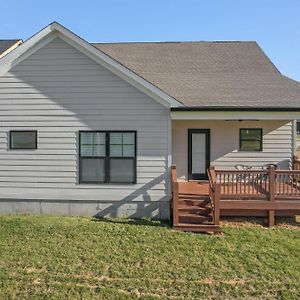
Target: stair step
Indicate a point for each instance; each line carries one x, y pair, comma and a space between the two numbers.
193, 202
195, 219
195, 209
193, 197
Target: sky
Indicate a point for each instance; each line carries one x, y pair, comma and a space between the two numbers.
274, 24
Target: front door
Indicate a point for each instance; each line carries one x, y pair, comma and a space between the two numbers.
199, 153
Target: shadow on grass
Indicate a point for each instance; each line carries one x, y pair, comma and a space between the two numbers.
289, 222
143, 222
286, 222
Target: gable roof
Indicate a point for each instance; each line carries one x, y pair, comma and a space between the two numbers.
8, 45
54, 30
219, 75
183, 75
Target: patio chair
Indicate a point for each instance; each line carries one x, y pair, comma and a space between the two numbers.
266, 167
241, 167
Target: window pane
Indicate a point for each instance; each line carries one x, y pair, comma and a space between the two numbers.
92, 170
87, 138
128, 138
87, 150
23, 139
122, 170
128, 151
251, 134
115, 150
99, 150
99, 138
115, 138
93, 144
250, 145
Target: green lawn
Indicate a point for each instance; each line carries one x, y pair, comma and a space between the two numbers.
82, 258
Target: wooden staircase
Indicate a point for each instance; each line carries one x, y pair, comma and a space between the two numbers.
194, 205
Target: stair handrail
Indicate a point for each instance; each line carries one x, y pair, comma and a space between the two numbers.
214, 193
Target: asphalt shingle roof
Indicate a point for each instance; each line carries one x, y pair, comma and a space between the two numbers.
209, 74
6, 44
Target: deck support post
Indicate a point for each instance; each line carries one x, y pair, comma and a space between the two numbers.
217, 203
271, 216
272, 186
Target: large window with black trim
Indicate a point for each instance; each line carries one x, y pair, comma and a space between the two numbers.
107, 156
251, 139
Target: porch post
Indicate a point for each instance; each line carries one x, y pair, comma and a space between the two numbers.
272, 186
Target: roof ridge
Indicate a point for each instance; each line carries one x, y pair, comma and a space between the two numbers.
177, 42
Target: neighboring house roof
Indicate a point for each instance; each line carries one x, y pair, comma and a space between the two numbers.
209, 74
8, 45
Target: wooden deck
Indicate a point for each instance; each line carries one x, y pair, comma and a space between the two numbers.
231, 192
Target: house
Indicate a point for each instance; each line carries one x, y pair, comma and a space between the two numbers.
93, 128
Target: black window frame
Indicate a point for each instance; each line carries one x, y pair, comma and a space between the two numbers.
298, 127
107, 157
261, 140
23, 131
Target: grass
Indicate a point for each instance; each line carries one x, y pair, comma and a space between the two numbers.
82, 258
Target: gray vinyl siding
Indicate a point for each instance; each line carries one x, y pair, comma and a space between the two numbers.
59, 91
224, 144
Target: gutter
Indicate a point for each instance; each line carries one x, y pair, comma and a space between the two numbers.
220, 108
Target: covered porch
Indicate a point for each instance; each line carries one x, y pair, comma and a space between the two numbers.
232, 164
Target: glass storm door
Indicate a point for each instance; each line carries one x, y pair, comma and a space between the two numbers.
199, 153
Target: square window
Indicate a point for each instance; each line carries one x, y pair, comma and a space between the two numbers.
250, 139
23, 140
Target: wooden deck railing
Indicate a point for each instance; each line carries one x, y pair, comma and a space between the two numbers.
296, 164
296, 167
234, 190
259, 184
214, 194
273, 189
245, 184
